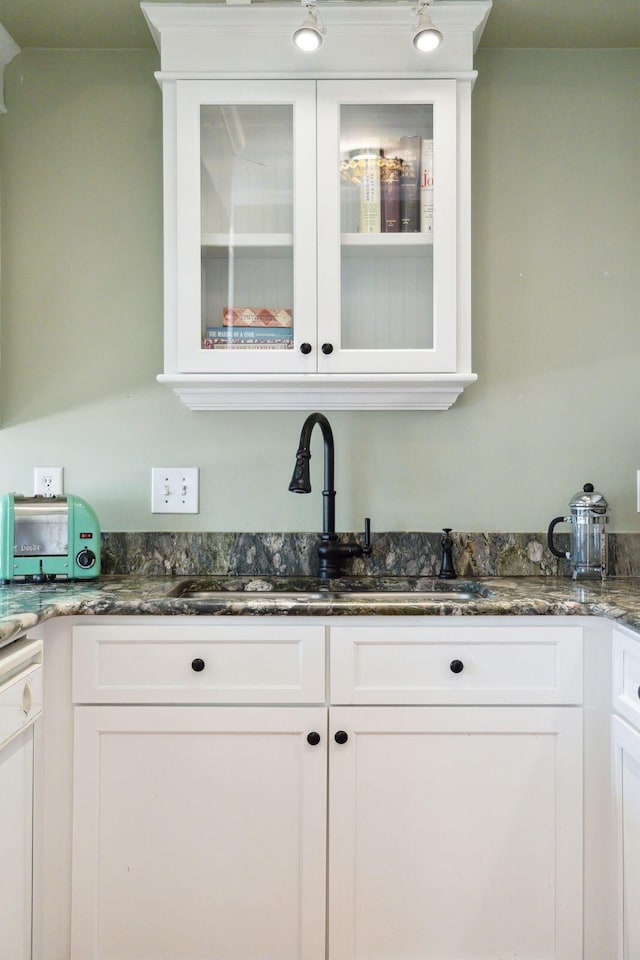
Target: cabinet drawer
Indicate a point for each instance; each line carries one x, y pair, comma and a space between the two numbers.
626, 676
198, 664
456, 664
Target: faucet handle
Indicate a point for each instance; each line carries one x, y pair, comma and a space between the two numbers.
366, 550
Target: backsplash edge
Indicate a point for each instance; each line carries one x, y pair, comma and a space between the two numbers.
394, 553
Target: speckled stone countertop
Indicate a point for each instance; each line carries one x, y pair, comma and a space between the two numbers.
22, 606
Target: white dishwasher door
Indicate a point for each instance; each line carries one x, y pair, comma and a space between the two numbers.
20, 706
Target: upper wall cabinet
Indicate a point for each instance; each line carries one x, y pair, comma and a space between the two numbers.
317, 206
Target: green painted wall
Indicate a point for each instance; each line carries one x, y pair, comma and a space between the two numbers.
556, 273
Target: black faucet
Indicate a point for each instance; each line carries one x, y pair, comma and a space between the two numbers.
330, 552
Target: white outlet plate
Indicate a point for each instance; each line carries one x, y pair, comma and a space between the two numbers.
174, 489
48, 481
638, 490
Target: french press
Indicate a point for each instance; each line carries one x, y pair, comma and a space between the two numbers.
588, 554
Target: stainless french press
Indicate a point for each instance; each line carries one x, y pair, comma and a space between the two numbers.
588, 554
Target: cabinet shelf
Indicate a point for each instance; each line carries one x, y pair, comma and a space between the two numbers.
387, 240
246, 244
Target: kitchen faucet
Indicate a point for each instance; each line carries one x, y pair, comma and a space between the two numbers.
330, 552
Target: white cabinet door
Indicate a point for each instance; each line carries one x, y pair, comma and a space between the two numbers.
199, 832
456, 833
387, 280
16, 827
626, 753
246, 227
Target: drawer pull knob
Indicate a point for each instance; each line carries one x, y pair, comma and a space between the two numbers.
341, 736
197, 665
456, 666
638, 693
313, 738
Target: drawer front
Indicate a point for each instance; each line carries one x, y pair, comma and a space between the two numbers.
198, 664
456, 664
626, 676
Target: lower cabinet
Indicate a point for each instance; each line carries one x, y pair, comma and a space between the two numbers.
199, 832
323, 830
626, 775
626, 754
455, 832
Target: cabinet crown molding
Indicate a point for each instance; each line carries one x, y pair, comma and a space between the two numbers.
197, 37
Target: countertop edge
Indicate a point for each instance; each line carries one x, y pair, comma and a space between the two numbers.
23, 607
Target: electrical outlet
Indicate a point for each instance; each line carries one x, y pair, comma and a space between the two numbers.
174, 490
48, 481
638, 490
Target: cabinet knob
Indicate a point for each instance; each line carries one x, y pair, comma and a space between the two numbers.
305, 348
456, 666
341, 736
197, 665
327, 348
313, 738
638, 693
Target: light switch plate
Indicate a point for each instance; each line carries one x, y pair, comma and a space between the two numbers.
174, 489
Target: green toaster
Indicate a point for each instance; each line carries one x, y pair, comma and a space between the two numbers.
48, 538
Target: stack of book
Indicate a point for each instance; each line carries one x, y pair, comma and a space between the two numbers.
407, 187
251, 328
396, 186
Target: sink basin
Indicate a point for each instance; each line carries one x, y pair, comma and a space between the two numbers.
330, 596
308, 590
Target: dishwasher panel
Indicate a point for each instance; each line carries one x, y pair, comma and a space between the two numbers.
20, 687
20, 706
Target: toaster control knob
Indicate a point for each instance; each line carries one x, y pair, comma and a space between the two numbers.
86, 559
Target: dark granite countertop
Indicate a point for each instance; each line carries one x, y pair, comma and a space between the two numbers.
22, 606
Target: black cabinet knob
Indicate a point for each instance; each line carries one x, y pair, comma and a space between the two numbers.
305, 348
313, 738
327, 348
341, 736
638, 693
197, 665
456, 666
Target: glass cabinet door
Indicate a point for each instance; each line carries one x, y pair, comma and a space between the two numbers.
246, 229
387, 226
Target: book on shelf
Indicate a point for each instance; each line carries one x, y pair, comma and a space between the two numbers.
223, 344
256, 317
249, 333
368, 161
426, 187
390, 167
409, 151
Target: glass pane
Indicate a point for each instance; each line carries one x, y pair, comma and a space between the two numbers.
387, 226
247, 226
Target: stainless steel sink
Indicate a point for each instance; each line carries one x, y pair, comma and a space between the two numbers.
405, 596
278, 590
